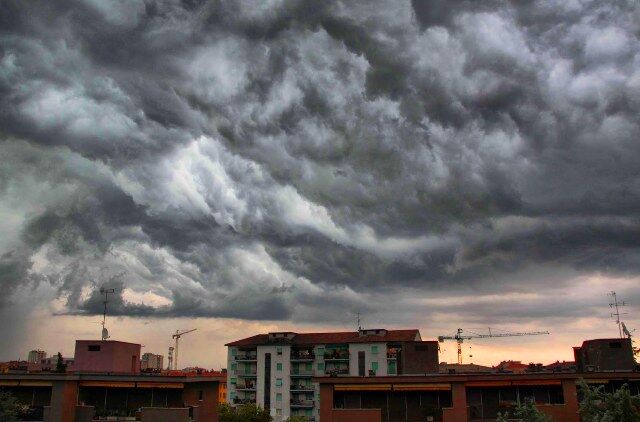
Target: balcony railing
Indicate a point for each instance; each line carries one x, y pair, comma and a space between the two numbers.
301, 373
302, 355
238, 400
300, 387
246, 386
246, 373
337, 371
337, 355
246, 357
302, 403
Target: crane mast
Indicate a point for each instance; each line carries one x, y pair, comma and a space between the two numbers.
177, 336
459, 337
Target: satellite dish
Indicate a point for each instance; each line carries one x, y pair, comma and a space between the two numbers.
105, 333
625, 331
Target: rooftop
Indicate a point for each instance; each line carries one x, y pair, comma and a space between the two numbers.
329, 338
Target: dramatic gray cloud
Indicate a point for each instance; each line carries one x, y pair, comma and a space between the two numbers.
302, 160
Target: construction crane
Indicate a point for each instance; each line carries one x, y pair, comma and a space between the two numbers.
177, 336
459, 338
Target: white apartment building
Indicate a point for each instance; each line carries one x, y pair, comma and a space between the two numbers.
150, 361
35, 356
276, 370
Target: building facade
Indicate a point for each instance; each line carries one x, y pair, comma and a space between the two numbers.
107, 356
36, 356
276, 370
152, 362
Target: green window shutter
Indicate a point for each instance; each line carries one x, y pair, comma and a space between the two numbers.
308, 412
279, 397
392, 368
374, 350
234, 351
278, 367
234, 366
233, 381
278, 382
374, 366
232, 395
321, 367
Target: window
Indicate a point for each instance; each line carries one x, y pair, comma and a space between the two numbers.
308, 412
278, 366
321, 367
374, 366
320, 351
421, 348
615, 345
234, 352
278, 397
374, 350
234, 366
94, 348
309, 366
232, 395
278, 412
278, 382
233, 381
279, 350
200, 395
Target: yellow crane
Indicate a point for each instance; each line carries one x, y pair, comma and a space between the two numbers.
459, 338
177, 336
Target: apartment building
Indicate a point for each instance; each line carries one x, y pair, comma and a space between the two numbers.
276, 370
151, 362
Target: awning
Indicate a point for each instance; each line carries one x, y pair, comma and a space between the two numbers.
160, 385
107, 384
24, 383
488, 384
421, 387
362, 387
538, 382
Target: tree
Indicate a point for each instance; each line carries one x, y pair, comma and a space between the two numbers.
9, 407
527, 412
599, 406
243, 413
60, 366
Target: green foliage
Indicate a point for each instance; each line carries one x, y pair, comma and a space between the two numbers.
9, 407
244, 413
527, 412
60, 366
599, 406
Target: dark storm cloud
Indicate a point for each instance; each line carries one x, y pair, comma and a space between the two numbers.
272, 160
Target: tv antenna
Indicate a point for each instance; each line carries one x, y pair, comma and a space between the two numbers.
105, 292
616, 305
358, 321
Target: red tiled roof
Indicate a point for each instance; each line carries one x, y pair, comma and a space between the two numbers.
332, 338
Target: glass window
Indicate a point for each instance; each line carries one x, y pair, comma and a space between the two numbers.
279, 397
321, 367
392, 367
233, 381
374, 350
278, 382
234, 352
374, 366
279, 350
234, 366
278, 366
309, 366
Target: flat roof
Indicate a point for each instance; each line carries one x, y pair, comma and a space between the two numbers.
147, 378
343, 337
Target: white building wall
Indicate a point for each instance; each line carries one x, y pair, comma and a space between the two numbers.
369, 357
276, 358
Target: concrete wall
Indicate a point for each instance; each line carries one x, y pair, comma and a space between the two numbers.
417, 361
380, 357
113, 356
284, 405
64, 398
600, 355
155, 414
205, 396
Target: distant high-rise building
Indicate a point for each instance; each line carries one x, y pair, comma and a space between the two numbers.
36, 356
276, 370
151, 362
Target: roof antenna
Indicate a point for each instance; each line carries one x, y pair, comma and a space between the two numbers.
614, 304
105, 292
359, 325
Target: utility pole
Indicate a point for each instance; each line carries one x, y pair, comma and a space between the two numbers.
615, 305
105, 292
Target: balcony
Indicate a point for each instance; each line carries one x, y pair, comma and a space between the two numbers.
246, 374
302, 356
334, 372
300, 388
247, 386
337, 356
301, 373
296, 403
238, 400
246, 358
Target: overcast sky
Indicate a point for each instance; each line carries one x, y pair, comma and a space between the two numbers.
240, 166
